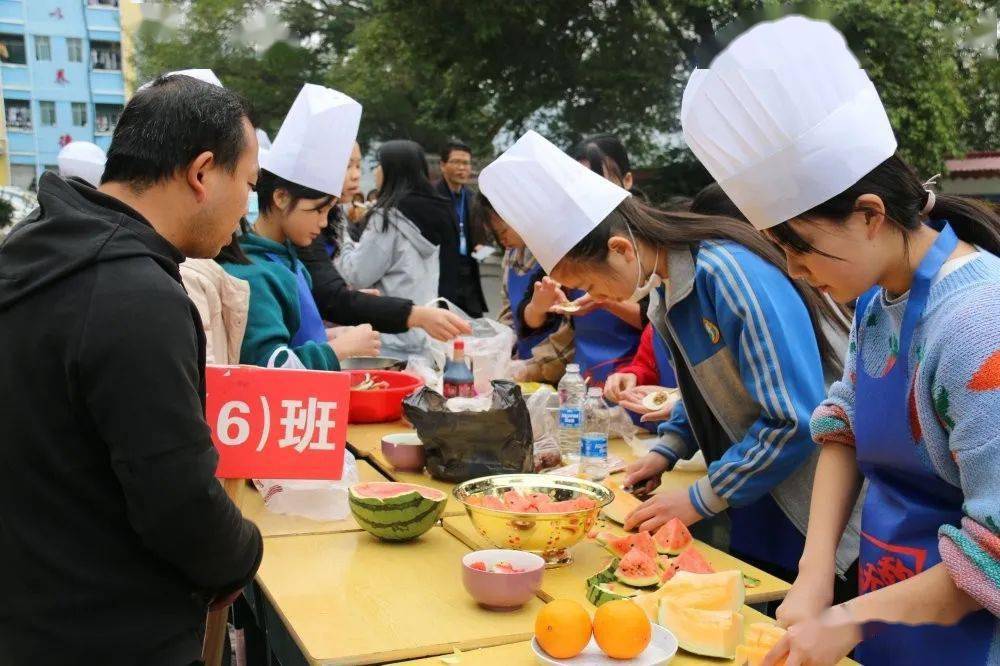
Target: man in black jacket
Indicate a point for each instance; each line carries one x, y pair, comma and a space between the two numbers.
115, 536
456, 170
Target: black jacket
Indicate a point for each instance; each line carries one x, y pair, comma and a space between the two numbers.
114, 532
469, 292
435, 218
339, 304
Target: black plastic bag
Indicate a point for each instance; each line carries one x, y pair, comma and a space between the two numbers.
466, 445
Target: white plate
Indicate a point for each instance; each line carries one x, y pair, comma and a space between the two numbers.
648, 403
661, 650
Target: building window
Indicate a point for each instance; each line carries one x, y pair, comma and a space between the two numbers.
102, 3
43, 48
106, 117
12, 50
105, 55
74, 47
79, 114
18, 114
47, 113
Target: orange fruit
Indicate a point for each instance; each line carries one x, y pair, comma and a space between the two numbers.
563, 628
622, 629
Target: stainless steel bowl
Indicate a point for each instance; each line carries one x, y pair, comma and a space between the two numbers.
372, 363
547, 534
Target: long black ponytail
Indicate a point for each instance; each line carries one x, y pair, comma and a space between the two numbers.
904, 196
675, 230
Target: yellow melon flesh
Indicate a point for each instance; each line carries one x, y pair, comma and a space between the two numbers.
751, 655
760, 638
713, 633
716, 591
623, 504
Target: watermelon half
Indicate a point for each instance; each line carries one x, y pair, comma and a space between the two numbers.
396, 511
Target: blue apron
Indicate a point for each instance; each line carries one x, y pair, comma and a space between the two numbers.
907, 501
602, 342
517, 289
311, 328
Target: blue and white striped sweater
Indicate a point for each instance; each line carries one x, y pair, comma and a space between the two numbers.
755, 364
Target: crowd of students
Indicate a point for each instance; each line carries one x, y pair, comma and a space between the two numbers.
831, 324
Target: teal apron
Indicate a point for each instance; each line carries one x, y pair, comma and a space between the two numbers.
311, 328
907, 501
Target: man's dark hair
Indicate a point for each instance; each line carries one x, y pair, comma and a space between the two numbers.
165, 126
453, 145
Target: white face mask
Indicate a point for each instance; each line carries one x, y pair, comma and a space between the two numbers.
642, 289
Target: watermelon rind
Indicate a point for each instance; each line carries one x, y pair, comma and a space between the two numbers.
600, 586
650, 579
398, 518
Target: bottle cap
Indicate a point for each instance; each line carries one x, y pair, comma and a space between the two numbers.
459, 345
573, 367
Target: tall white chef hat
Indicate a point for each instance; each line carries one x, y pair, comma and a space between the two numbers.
82, 159
551, 200
785, 119
206, 75
314, 144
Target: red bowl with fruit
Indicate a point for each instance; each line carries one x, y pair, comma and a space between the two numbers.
377, 395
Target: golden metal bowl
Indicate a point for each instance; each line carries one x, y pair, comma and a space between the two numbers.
547, 534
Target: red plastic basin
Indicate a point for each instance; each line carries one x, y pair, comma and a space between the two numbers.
382, 405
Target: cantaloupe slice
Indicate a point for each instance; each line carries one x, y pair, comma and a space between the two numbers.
623, 504
759, 639
717, 591
713, 633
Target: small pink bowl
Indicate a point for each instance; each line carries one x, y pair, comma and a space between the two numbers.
502, 591
404, 451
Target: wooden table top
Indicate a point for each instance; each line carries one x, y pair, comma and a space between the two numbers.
569, 582
349, 598
276, 524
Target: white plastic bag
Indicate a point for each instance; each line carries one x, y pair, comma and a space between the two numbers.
289, 360
489, 347
316, 499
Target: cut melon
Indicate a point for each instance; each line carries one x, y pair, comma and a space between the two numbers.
693, 561
623, 504
638, 569
620, 546
713, 633
759, 639
395, 511
603, 587
719, 591
715, 591
672, 538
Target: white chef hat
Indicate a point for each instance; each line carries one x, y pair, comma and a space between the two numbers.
206, 75
785, 119
82, 159
263, 144
314, 144
551, 200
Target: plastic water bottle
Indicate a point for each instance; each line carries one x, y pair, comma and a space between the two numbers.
594, 441
572, 395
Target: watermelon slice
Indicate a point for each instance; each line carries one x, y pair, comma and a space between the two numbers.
395, 511
514, 501
620, 546
637, 569
672, 538
693, 561
506, 568
481, 566
491, 502
667, 567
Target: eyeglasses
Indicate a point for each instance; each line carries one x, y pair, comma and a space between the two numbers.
460, 163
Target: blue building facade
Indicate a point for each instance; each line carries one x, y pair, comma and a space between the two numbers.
61, 72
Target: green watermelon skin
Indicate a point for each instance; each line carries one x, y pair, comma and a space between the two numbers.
400, 518
603, 587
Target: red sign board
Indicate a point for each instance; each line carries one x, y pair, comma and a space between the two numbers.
277, 424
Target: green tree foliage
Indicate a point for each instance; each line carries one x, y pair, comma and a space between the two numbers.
486, 70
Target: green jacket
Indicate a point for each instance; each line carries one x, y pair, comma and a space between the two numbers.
274, 316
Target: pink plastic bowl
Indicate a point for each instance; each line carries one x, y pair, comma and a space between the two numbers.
383, 405
503, 591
